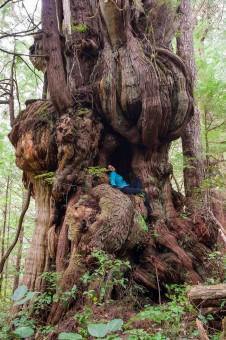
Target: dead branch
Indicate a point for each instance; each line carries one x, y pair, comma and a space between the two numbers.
5, 3
20, 34
22, 54
202, 332
8, 252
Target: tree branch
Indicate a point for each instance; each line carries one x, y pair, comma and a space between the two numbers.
22, 54
20, 34
216, 126
8, 252
5, 3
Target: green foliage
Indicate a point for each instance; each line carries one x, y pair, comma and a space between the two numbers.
218, 259
97, 330
28, 297
25, 325
96, 171
211, 85
19, 293
53, 293
23, 332
108, 274
83, 111
69, 336
100, 330
168, 315
82, 28
48, 177
165, 321
139, 333
143, 223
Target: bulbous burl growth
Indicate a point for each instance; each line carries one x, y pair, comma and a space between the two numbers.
145, 96
142, 90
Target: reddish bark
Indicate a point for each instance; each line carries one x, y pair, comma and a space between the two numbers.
58, 88
191, 138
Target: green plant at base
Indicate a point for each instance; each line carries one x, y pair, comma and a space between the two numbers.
26, 326
96, 330
169, 315
139, 333
108, 274
53, 292
217, 258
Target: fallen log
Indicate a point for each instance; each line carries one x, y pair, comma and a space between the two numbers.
207, 296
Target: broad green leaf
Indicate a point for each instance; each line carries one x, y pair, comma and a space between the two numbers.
29, 296
97, 330
23, 332
19, 293
69, 336
114, 325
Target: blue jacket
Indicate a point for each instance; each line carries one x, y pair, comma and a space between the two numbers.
116, 180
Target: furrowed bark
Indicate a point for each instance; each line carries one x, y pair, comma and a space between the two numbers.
191, 138
57, 85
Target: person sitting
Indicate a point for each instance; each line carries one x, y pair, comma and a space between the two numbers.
117, 181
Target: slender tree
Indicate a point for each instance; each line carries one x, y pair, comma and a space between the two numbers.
4, 227
191, 138
19, 252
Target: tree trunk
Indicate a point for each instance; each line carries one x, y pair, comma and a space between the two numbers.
3, 234
58, 88
131, 98
38, 260
7, 240
19, 252
191, 137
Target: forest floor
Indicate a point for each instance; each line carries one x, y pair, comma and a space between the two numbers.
172, 319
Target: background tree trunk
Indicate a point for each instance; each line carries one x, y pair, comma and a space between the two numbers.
191, 137
19, 252
3, 233
59, 91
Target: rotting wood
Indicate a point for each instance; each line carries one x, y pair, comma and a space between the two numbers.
223, 334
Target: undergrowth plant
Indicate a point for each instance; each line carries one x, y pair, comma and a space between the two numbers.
167, 317
108, 274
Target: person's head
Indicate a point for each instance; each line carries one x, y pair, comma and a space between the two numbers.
110, 168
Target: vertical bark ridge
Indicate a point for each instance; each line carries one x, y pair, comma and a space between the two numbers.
57, 85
